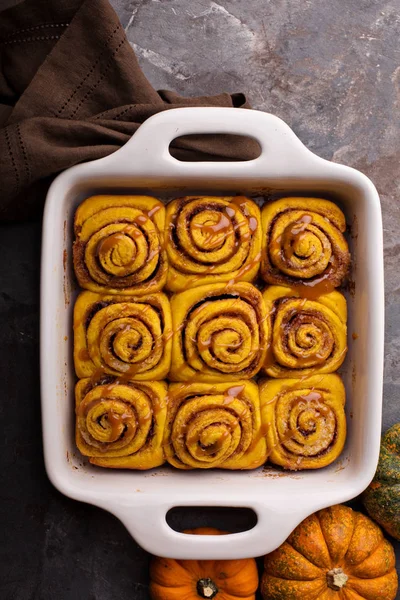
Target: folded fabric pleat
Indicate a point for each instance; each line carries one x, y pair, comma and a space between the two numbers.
219, 333
212, 239
67, 97
214, 426
305, 420
125, 336
303, 244
306, 336
121, 425
119, 246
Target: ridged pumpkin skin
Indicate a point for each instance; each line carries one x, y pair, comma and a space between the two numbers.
382, 497
172, 579
335, 554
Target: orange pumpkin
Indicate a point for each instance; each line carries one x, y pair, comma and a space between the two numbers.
335, 554
172, 579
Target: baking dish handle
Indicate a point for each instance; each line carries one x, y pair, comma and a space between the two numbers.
147, 152
148, 525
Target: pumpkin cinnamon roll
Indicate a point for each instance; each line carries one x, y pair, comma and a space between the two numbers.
304, 245
121, 426
124, 336
305, 420
212, 239
306, 336
219, 333
214, 426
118, 246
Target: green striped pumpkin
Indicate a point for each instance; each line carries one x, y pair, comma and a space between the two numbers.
382, 497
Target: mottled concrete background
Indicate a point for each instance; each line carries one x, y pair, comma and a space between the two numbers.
330, 68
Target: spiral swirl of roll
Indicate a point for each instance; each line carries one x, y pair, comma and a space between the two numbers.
306, 336
217, 426
118, 245
219, 333
306, 421
124, 336
121, 425
212, 239
304, 244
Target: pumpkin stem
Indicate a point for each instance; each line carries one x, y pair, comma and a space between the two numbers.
206, 588
336, 579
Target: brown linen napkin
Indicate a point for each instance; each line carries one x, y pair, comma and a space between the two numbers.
71, 90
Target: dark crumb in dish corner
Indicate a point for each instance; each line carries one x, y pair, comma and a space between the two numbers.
273, 471
353, 375
352, 228
276, 473
350, 287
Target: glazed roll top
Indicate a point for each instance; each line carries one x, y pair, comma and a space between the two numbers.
215, 425
219, 333
304, 244
121, 425
212, 239
125, 336
119, 245
306, 336
305, 420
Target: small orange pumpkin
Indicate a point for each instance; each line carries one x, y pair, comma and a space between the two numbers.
335, 554
172, 579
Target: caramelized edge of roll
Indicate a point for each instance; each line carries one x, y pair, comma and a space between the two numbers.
183, 303
88, 303
334, 301
151, 455
318, 284
270, 392
87, 209
178, 280
178, 393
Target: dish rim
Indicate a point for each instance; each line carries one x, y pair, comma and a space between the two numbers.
146, 160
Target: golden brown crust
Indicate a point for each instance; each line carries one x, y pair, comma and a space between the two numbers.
213, 335
212, 239
306, 336
214, 426
119, 245
304, 420
126, 336
304, 245
121, 426
219, 333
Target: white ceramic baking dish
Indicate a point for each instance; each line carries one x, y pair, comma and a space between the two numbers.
142, 499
